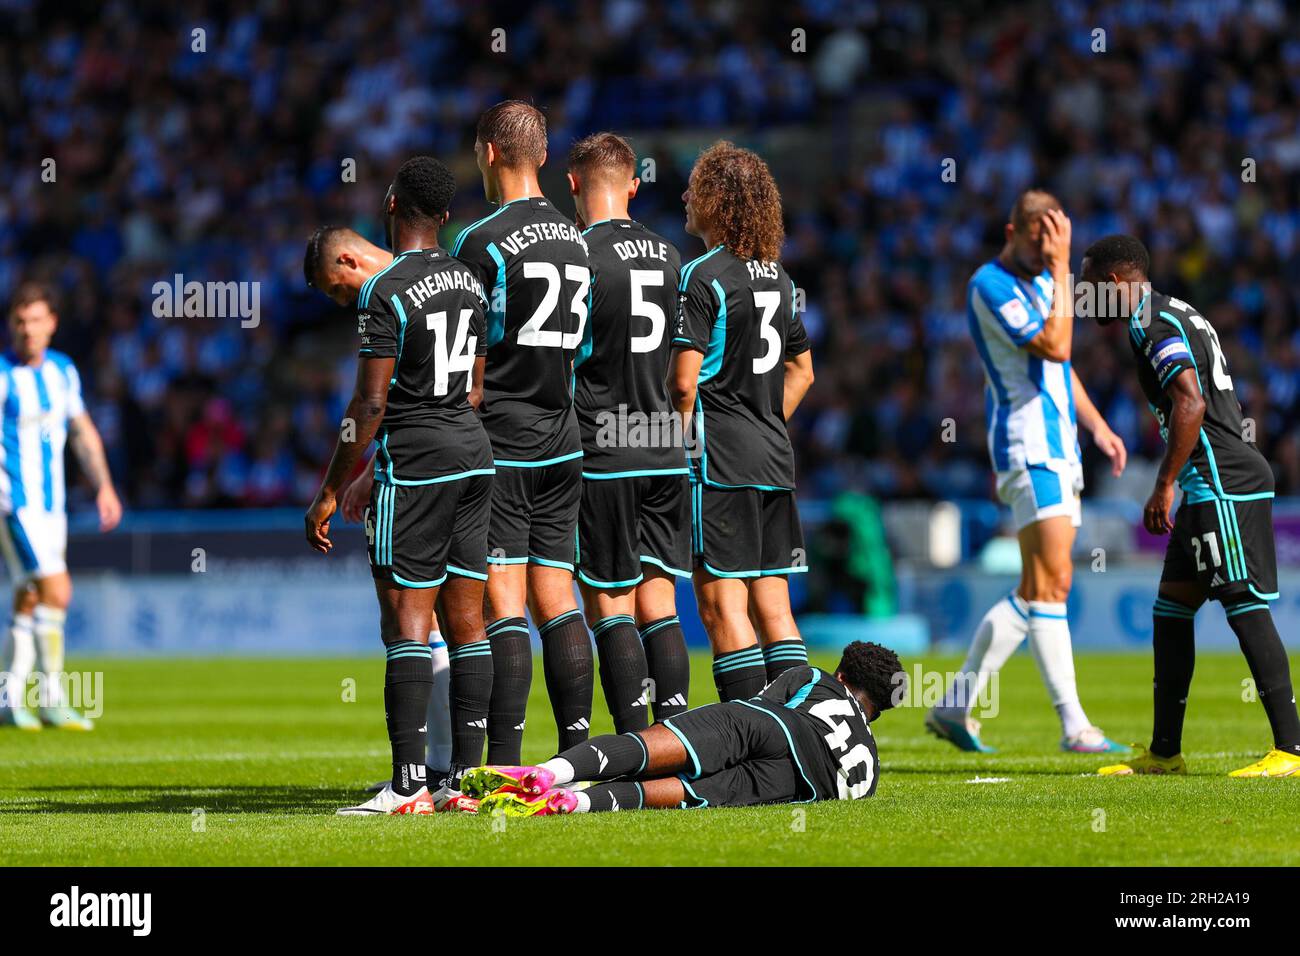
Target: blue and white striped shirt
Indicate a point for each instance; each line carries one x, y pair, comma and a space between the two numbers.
1029, 401
38, 401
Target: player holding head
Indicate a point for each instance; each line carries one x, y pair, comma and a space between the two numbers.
1221, 540
421, 322
533, 262
804, 738
40, 394
339, 261
634, 525
741, 365
1021, 316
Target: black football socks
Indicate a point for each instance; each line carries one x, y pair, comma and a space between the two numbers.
570, 675
512, 678
1251, 621
780, 656
470, 696
739, 675
1173, 645
624, 674
669, 666
408, 682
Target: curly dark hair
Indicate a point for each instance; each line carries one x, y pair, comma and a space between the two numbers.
876, 671
734, 193
424, 189
1118, 250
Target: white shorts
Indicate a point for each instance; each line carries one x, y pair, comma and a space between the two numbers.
1042, 491
34, 543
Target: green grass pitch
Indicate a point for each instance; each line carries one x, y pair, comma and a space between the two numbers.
243, 762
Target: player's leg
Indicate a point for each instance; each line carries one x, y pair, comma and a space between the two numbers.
469, 651
1046, 576
567, 659
656, 751
665, 534
624, 673
1250, 558
507, 601
609, 568
667, 660
738, 670
53, 595
19, 659
769, 606
726, 546
782, 554
437, 740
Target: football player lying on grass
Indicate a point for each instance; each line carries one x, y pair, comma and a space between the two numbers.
804, 738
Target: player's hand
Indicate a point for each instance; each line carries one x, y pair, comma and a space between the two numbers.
1112, 446
318, 522
357, 495
1056, 240
110, 508
1155, 513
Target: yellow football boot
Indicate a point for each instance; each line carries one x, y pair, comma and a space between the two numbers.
1145, 762
1275, 763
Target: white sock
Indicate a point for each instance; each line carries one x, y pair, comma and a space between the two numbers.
584, 802
1049, 642
48, 623
562, 769
438, 718
19, 658
999, 633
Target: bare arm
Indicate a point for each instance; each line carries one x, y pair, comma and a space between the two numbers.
1055, 339
798, 379
1184, 430
88, 446
1111, 445
365, 411
683, 383
475, 397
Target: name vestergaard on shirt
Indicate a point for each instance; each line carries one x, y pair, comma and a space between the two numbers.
536, 232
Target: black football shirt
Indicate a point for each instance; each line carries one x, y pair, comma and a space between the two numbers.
532, 262
627, 422
829, 733
426, 310
1169, 338
741, 314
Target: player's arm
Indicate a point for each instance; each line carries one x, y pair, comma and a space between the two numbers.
1054, 341
357, 495
1110, 444
475, 397
696, 311
88, 446
364, 413
798, 361
798, 379
1185, 417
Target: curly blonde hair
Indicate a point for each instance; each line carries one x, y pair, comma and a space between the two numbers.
733, 192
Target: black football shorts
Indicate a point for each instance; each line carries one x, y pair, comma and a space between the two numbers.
420, 533
739, 756
746, 532
535, 514
625, 522
1227, 546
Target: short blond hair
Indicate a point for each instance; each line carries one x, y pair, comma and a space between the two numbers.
517, 130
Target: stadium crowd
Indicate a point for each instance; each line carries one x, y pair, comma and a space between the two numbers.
231, 128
